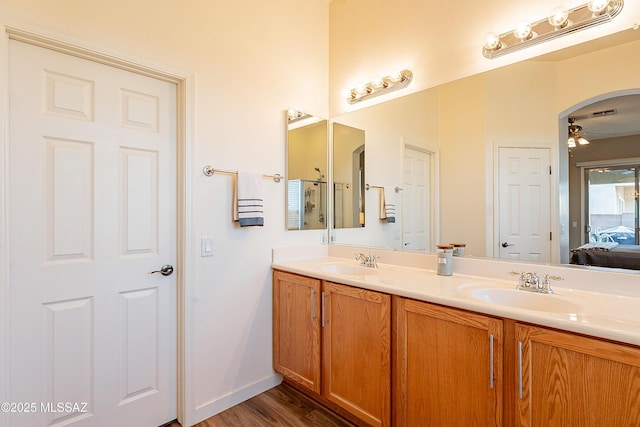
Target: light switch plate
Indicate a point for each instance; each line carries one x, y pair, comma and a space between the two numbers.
206, 246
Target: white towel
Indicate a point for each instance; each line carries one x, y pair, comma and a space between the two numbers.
247, 200
388, 204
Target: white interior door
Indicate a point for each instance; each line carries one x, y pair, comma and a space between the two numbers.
415, 200
92, 338
524, 200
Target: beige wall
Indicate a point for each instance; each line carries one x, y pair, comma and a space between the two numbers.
463, 158
307, 150
439, 41
250, 60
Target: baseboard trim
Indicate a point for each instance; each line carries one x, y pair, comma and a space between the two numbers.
219, 404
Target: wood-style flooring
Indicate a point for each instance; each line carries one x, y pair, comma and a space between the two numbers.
280, 406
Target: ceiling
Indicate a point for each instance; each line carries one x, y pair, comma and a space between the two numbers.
613, 117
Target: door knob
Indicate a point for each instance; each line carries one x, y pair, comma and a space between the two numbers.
505, 244
165, 270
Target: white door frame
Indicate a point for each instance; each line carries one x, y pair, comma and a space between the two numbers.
493, 219
12, 30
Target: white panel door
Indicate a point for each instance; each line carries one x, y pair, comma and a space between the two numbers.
415, 200
92, 211
524, 200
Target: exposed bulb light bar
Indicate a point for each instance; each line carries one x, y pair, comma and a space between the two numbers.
561, 21
380, 86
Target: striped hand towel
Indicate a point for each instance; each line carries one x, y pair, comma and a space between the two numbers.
388, 204
247, 200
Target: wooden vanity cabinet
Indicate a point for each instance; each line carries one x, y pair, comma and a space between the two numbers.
334, 340
447, 366
451, 367
296, 329
571, 380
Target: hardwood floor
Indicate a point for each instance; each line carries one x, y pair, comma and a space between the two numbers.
280, 406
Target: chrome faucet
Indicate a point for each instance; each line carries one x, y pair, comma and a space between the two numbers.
367, 261
531, 282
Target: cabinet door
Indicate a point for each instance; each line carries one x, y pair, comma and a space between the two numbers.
571, 380
447, 366
356, 353
296, 328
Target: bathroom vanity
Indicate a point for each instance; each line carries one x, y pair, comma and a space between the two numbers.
400, 345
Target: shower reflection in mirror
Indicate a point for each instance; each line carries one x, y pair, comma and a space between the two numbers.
306, 171
348, 176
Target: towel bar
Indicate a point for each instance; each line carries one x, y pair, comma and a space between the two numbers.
367, 186
210, 170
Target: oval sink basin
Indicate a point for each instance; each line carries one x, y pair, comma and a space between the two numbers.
530, 300
349, 270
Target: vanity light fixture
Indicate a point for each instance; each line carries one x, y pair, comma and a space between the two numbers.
561, 21
380, 86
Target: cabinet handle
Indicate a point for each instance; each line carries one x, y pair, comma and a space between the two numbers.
322, 304
520, 369
490, 361
313, 306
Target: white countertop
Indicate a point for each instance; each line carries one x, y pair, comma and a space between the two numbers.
601, 314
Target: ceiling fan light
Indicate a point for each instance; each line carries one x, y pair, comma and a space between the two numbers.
571, 142
582, 141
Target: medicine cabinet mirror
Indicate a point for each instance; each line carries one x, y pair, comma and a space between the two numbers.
306, 171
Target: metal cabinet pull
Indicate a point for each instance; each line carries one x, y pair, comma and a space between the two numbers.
313, 306
490, 361
322, 314
520, 369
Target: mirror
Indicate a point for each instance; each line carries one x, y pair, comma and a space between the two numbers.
306, 165
462, 124
348, 177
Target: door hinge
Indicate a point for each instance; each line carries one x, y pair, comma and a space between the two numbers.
549, 170
551, 235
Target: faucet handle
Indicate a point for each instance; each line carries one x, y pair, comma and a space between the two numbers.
374, 260
546, 283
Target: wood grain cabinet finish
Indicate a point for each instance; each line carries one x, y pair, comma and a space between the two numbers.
450, 367
334, 340
447, 366
296, 327
576, 381
356, 341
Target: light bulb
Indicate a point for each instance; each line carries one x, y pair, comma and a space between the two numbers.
598, 6
559, 17
582, 141
522, 31
396, 76
377, 82
571, 142
492, 41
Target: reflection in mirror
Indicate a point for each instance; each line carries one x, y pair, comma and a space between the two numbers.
348, 177
306, 171
401, 172
465, 123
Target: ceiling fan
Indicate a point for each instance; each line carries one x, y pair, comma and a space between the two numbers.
575, 138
